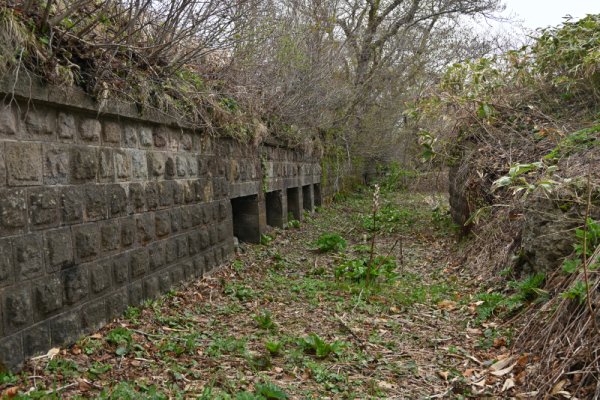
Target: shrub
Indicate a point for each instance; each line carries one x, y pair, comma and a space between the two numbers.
358, 269
330, 242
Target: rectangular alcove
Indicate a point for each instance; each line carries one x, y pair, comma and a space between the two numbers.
246, 226
317, 195
307, 197
293, 203
275, 209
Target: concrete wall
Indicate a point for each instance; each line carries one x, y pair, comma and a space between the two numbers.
100, 210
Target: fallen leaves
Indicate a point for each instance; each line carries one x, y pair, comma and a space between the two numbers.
502, 375
447, 305
434, 344
508, 384
444, 374
10, 393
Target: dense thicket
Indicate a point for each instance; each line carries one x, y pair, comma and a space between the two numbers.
520, 132
336, 72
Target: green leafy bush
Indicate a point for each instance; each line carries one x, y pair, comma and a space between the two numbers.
330, 242
394, 177
491, 302
6, 378
570, 55
98, 368
591, 238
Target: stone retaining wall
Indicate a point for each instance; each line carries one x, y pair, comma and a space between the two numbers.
100, 210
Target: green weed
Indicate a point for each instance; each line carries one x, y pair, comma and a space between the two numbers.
575, 142
293, 223
265, 240
358, 269
315, 345
132, 314
361, 248
270, 391
131, 391
89, 345
265, 320
238, 266
395, 178
6, 378
227, 345
389, 219
98, 368
492, 302
588, 238
577, 291
122, 338
529, 289
66, 368
273, 347
239, 291
330, 242
259, 362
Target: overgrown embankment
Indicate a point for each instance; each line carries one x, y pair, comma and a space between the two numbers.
525, 184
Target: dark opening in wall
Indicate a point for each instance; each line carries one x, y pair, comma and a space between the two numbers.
275, 211
317, 195
246, 225
293, 203
307, 198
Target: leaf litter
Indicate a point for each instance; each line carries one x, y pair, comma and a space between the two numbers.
323, 336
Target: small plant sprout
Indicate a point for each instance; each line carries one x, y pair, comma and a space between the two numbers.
293, 223
122, 338
265, 320
314, 344
273, 347
265, 240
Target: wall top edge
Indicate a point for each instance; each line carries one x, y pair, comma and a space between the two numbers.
31, 89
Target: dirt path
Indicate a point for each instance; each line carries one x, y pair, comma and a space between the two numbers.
278, 322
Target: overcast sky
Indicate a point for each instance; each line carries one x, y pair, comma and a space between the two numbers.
542, 13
